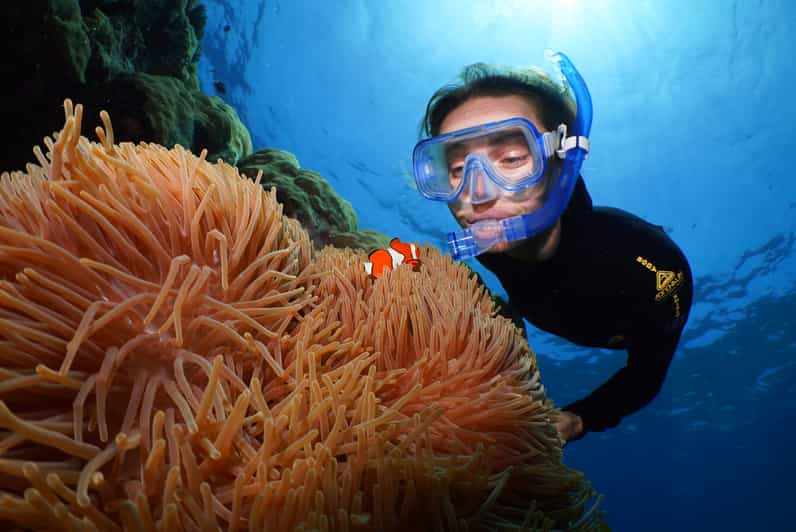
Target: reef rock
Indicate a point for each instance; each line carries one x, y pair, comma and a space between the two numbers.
136, 59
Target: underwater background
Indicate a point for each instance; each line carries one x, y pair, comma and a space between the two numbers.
693, 130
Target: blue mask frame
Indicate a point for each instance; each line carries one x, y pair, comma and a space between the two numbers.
429, 173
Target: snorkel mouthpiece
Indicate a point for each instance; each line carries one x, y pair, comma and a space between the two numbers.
476, 239
486, 234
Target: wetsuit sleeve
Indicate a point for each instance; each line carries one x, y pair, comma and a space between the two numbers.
632, 387
650, 346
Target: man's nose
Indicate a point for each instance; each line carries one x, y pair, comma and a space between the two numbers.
482, 189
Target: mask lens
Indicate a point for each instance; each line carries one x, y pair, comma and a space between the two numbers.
434, 175
511, 155
508, 150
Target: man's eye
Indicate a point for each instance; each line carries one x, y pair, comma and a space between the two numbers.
456, 171
515, 161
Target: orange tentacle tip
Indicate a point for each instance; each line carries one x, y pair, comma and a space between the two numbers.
386, 259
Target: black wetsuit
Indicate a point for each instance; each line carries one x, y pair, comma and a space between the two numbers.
615, 281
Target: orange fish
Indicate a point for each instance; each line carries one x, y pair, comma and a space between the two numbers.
397, 253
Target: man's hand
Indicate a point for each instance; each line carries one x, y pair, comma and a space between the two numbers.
570, 426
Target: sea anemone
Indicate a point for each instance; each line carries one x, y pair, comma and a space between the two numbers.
175, 355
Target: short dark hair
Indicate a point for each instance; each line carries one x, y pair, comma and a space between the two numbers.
553, 104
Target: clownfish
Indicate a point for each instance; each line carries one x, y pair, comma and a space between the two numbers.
397, 253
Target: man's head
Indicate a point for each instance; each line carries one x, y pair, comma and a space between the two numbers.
485, 94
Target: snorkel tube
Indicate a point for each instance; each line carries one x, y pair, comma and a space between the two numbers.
484, 235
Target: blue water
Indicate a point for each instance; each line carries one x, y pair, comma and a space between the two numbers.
693, 130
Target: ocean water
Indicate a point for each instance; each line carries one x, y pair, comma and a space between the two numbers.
693, 130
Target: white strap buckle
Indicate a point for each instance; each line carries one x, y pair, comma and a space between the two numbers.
568, 143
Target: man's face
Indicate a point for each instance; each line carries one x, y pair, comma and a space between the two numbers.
467, 210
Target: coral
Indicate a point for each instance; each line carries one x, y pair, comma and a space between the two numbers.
171, 113
364, 239
175, 355
309, 198
136, 58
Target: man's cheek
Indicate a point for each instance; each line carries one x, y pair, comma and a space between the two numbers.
457, 213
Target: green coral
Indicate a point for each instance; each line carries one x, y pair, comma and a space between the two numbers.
166, 110
71, 41
136, 59
218, 127
366, 239
152, 36
309, 198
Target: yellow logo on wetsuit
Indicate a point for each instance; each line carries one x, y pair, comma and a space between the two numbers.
663, 278
670, 284
666, 281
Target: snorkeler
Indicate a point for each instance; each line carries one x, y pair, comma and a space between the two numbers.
504, 151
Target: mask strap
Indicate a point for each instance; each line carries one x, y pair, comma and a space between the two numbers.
570, 143
557, 143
